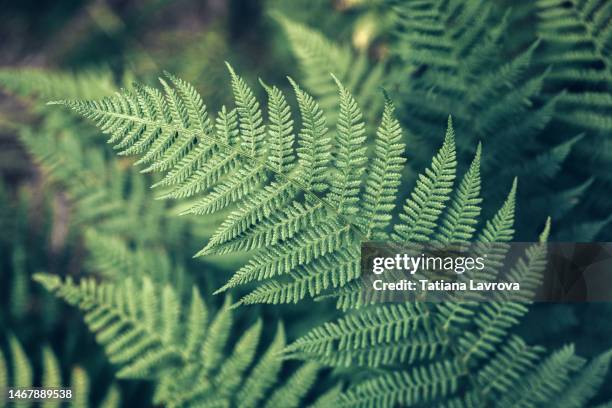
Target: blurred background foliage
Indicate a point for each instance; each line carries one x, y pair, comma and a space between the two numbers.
68, 206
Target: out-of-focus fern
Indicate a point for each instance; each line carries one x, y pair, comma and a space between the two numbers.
16, 372
318, 57
452, 59
18, 259
578, 41
84, 173
150, 334
32, 313
57, 84
103, 192
577, 46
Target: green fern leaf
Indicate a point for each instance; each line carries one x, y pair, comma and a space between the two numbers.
422, 210
383, 178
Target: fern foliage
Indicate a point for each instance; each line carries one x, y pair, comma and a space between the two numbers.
151, 334
454, 56
577, 43
451, 66
452, 353
16, 371
450, 57
318, 56
302, 199
301, 210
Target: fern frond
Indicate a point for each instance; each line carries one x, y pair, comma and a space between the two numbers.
492, 322
23, 375
126, 325
586, 383
305, 206
292, 392
452, 57
452, 54
52, 375
150, 334
577, 42
543, 384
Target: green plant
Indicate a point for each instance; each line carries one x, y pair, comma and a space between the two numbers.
318, 57
440, 64
307, 216
306, 209
152, 335
577, 41
57, 84
22, 376
458, 353
86, 198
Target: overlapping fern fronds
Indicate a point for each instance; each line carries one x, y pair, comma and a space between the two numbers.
577, 44
307, 215
455, 354
304, 210
103, 193
450, 57
150, 334
453, 59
